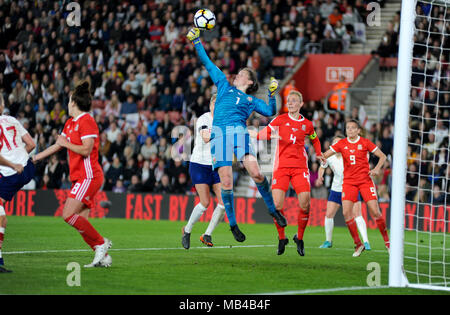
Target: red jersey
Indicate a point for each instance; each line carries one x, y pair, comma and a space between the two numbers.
356, 159
291, 150
75, 130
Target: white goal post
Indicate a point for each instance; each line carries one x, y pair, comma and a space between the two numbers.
420, 254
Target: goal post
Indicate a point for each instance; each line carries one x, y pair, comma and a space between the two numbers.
407, 16
420, 239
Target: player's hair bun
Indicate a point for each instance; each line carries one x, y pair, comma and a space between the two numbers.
82, 96
83, 87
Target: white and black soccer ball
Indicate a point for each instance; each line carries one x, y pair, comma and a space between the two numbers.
204, 19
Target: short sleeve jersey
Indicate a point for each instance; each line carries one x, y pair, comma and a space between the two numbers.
291, 150
337, 166
12, 147
201, 153
356, 159
76, 130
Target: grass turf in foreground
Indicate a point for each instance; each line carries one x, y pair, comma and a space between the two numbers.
148, 259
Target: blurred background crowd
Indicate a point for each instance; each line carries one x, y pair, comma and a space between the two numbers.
149, 87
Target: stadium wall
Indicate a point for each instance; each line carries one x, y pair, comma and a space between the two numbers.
146, 206
321, 72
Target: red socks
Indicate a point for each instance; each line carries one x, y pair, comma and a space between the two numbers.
87, 231
303, 218
351, 224
381, 223
281, 234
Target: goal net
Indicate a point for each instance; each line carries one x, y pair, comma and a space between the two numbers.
420, 222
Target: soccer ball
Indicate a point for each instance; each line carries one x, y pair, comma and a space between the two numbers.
204, 19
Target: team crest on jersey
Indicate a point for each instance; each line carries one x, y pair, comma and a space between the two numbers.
249, 98
76, 127
359, 147
345, 148
288, 124
304, 127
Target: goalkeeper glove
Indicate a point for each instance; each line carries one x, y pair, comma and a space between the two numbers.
273, 86
193, 34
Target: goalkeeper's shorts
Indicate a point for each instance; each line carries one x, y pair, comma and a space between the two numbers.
224, 148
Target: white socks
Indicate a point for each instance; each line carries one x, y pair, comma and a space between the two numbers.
362, 228
329, 225
217, 216
360, 223
195, 216
199, 209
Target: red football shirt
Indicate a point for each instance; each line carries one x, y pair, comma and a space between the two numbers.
75, 130
291, 150
356, 159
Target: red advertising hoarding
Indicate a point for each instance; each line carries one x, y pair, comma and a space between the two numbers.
320, 72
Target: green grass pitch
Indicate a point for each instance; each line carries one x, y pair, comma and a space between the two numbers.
148, 259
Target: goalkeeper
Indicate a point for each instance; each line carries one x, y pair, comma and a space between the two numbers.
229, 134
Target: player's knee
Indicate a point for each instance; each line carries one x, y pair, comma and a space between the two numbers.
305, 205
204, 203
278, 204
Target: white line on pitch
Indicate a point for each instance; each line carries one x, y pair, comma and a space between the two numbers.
324, 290
162, 248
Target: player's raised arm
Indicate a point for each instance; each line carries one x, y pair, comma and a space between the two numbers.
215, 73
47, 152
328, 153
262, 107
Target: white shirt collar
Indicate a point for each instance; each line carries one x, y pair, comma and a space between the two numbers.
357, 139
79, 116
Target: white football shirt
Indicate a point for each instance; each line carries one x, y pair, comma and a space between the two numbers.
336, 163
201, 153
12, 147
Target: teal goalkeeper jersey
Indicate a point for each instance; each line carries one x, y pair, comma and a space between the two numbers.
233, 107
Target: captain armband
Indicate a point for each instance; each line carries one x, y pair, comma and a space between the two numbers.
313, 136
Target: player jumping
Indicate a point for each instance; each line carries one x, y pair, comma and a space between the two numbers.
335, 199
357, 178
291, 164
80, 137
203, 176
15, 145
230, 135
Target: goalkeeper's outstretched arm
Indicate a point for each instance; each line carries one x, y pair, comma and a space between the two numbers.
214, 72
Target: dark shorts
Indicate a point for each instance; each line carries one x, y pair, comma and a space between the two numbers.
203, 174
10, 185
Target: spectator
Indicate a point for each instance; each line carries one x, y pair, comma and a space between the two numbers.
148, 148
129, 107
164, 185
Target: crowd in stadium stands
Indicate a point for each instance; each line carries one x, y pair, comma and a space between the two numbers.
148, 84
428, 150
